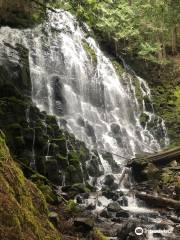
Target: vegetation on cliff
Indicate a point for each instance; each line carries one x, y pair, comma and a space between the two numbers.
149, 29
23, 211
22, 13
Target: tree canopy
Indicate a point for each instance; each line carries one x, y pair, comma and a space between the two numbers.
149, 28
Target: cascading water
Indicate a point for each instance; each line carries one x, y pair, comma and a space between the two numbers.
74, 80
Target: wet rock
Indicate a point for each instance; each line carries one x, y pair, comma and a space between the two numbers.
79, 199
148, 104
157, 235
114, 207
109, 194
89, 130
104, 213
85, 195
144, 119
81, 121
122, 214
61, 142
109, 180
62, 162
115, 128
91, 206
52, 171
93, 168
73, 175
109, 158
53, 149
127, 231
58, 89
84, 225
123, 201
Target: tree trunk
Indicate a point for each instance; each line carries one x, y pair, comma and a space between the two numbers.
160, 53
157, 201
174, 40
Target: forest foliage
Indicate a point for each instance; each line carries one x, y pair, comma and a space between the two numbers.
148, 28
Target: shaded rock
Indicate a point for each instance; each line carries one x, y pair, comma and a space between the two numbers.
52, 171
109, 180
84, 224
115, 128
104, 214
127, 231
122, 214
114, 207
79, 199
91, 206
109, 194
123, 201
93, 168
109, 158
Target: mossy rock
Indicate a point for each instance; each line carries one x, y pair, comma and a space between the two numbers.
119, 68
61, 143
62, 161
73, 175
52, 172
90, 51
139, 94
143, 119
46, 188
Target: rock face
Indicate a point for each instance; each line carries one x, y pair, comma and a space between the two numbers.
33, 137
23, 207
21, 13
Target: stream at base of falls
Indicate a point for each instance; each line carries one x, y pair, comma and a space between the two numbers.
74, 80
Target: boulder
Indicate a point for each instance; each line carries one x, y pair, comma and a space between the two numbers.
122, 214
109, 180
110, 194
123, 201
114, 207
84, 225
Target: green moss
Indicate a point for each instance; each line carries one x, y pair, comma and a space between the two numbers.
90, 51
71, 206
143, 119
166, 100
119, 68
46, 188
177, 98
23, 209
138, 91
98, 235
74, 158
167, 177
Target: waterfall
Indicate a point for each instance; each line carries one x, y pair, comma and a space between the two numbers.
73, 80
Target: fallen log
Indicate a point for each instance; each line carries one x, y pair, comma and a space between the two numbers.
158, 201
165, 156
